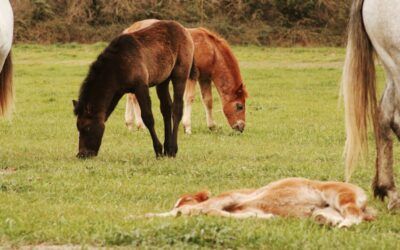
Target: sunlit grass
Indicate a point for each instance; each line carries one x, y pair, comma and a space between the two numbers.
294, 128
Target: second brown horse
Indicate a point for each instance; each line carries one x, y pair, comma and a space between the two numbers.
131, 64
215, 63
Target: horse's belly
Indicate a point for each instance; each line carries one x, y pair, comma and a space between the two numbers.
160, 68
381, 20
298, 201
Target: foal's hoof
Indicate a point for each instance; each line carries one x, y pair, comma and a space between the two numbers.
129, 126
188, 130
212, 127
140, 126
320, 219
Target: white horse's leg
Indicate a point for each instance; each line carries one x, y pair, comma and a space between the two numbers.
206, 94
172, 213
132, 112
129, 113
188, 98
239, 215
381, 23
214, 210
384, 183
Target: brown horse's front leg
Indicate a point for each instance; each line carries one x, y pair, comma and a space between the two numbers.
165, 107
143, 97
177, 113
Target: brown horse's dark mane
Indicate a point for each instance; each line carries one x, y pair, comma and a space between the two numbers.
103, 66
228, 56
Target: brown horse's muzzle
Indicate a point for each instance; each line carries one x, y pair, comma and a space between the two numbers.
239, 126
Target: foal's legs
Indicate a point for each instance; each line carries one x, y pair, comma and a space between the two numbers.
206, 94
188, 99
143, 97
132, 112
327, 216
165, 107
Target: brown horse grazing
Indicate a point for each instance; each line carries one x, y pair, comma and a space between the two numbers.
131, 64
216, 63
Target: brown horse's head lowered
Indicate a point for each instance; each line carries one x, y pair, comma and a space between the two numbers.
235, 109
91, 129
216, 62
192, 199
132, 63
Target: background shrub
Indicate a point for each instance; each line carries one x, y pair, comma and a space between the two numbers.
266, 22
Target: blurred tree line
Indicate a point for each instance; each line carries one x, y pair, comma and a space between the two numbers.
267, 22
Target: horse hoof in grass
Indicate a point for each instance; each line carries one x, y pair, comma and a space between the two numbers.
171, 151
212, 127
86, 155
188, 130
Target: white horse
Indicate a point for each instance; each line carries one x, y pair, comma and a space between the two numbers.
374, 29
6, 37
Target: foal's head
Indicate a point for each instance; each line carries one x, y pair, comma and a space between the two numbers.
91, 129
192, 199
235, 109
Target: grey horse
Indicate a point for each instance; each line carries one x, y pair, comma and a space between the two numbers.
374, 29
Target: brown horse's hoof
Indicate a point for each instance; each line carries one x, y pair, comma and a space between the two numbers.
158, 149
171, 151
86, 155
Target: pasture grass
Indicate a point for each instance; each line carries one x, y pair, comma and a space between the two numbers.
294, 128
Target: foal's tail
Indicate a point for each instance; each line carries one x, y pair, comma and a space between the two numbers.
359, 89
6, 87
194, 71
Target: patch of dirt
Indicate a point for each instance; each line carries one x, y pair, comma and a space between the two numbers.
7, 171
59, 247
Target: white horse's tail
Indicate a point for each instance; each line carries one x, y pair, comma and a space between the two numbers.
6, 86
359, 89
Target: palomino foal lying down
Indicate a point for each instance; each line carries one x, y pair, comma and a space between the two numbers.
332, 203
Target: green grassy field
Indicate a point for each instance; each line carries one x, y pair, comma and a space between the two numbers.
294, 128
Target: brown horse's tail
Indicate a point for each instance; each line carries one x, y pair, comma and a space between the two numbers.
194, 71
359, 89
6, 87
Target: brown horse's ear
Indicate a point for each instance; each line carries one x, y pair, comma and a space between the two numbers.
242, 92
75, 103
245, 93
202, 196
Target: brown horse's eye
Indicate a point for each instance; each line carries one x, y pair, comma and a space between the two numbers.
239, 107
